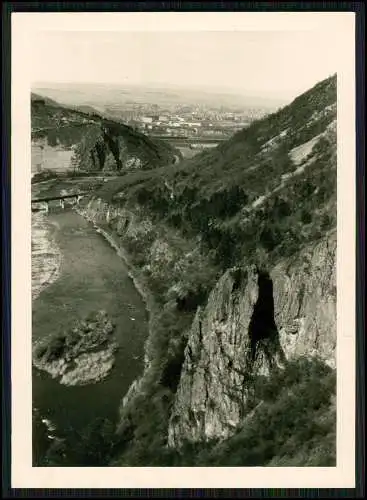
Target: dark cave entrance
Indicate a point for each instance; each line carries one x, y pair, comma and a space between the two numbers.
171, 373
262, 324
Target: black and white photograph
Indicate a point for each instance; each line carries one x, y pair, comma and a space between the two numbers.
185, 217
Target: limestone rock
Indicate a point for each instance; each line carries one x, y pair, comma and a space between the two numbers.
218, 358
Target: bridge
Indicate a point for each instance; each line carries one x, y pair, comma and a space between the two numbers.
76, 197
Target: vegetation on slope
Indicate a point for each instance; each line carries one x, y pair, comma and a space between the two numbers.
216, 196
292, 424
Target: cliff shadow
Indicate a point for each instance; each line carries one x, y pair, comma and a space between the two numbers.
263, 331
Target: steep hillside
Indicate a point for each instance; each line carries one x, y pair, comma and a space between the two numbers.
96, 143
235, 250
271, 188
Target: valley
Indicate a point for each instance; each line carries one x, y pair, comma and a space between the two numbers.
85, 284
210, 240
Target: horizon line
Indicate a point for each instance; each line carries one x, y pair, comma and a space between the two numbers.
230, 91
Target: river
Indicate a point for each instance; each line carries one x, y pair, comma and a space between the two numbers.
75, 272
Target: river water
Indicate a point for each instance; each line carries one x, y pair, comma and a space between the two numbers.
75, 272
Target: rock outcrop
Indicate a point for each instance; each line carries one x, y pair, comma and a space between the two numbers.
253, 323
83, 355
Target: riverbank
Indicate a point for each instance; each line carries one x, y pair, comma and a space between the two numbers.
92, 277
134, 273
145, 293
161, 265
46, 255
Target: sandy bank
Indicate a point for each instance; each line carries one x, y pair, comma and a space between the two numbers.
46, 256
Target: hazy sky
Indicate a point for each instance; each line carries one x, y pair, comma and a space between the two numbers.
277, 65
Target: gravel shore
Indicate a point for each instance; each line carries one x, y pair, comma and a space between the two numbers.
46, 257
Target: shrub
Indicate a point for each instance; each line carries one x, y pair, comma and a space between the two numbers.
91, 447
40, 351
44, 175
56, 347
306, 217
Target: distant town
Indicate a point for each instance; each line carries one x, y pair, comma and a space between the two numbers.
187, 126
190, 120
186, 121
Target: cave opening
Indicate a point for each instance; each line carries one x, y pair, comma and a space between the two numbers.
262, 324
171, 373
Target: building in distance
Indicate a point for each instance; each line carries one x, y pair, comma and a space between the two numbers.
146, 119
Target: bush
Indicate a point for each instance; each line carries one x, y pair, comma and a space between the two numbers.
44, 175
92, 447
306, 217
40, 351
56, 347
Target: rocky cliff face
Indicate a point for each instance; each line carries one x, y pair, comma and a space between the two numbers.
253, 323
113, 146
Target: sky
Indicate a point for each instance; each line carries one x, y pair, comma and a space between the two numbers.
277, 65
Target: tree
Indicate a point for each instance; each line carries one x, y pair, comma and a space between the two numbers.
74, 162
96, 443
